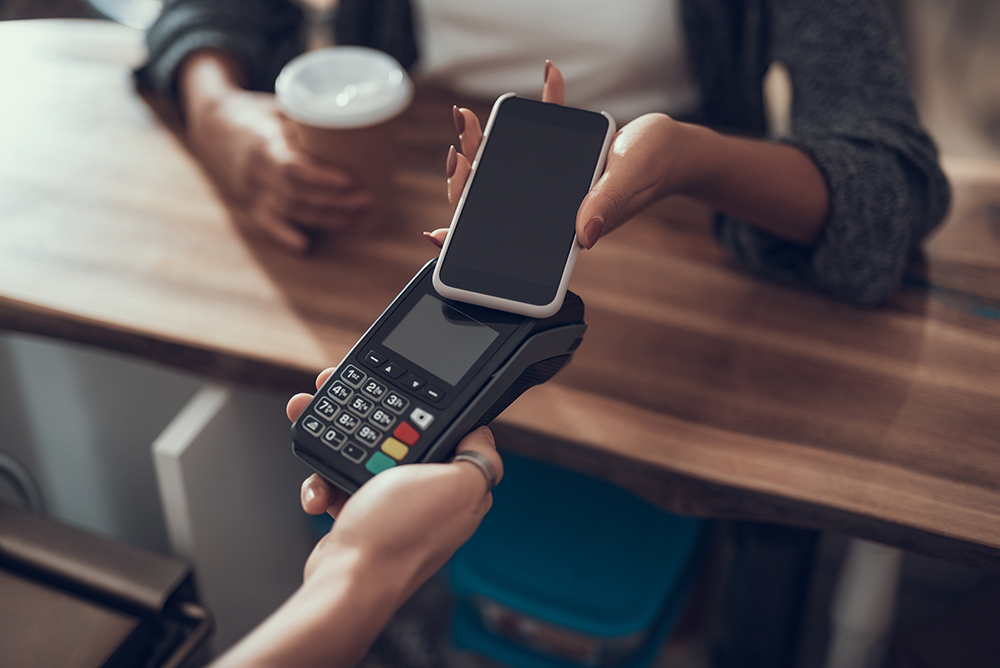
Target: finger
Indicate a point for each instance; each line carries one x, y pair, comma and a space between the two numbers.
437, 237
300, 214
303, 167
323, 219
318, 496
633, 178
306, 180
481, 441
324, 197
291, 177
296, 405
456, 184
553, 90
322, 175
590, 222
279, 229
611, 202
324, 375
469, 131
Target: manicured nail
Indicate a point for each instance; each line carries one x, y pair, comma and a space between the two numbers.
592, 231
459, 120
308, 495
545, 76
452, 163
433, 239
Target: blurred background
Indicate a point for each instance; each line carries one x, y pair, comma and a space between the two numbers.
951, 45
954, 57
136, 13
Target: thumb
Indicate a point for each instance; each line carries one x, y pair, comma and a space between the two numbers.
601, 210
634, 178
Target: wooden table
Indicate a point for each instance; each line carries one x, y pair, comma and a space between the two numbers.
700, 387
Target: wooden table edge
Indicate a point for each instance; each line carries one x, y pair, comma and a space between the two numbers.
28, 318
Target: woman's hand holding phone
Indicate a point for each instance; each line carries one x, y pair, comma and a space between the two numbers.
773, 186
627, 186
470, 134
512, 242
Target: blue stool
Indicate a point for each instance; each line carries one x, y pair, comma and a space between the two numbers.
569, 571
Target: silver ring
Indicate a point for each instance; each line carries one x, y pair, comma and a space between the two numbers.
482, 461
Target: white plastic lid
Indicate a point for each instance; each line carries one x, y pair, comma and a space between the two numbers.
343, 87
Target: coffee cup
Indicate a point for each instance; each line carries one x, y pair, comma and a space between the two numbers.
342, 102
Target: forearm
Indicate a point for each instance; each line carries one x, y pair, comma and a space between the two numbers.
773, 186
331, 620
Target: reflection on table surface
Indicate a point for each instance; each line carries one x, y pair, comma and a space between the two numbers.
700, 387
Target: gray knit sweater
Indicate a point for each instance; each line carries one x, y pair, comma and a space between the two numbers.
852, 112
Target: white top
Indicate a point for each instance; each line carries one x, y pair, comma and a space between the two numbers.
343, 87
626, 57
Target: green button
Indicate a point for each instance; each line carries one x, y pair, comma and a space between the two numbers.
379, 462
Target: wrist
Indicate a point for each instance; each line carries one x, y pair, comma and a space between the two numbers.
330, 621
389, 578
357, 594
773, 186
207, 77
694, 149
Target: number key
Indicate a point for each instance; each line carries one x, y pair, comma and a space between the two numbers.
369, 436
374, 388
353, 376
340, 392
333, 438
361, 406
348, 422
382, 418
326, 408
395, 403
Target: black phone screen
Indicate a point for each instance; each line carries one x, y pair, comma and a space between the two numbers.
516, 227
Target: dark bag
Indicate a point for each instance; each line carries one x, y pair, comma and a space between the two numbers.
75, 600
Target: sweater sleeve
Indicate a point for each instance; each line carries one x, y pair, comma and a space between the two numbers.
853, 114
262, 34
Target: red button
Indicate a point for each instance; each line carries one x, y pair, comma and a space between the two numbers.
406, 433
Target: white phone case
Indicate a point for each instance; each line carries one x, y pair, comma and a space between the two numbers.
500, 303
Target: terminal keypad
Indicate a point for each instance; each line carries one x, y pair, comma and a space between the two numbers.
368, 419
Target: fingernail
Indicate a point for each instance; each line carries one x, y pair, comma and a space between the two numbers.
592, 231
308, 495
545, 76
433, 239
452, 163
459, 120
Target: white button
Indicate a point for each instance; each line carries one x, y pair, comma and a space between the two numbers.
421, 418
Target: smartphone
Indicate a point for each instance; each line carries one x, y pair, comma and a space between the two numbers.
512, 242
425, 374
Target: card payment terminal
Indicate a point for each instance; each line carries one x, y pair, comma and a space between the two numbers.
429, 371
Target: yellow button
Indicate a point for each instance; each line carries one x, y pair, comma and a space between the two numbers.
395, 449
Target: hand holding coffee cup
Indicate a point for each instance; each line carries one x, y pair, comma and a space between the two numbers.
342, 103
